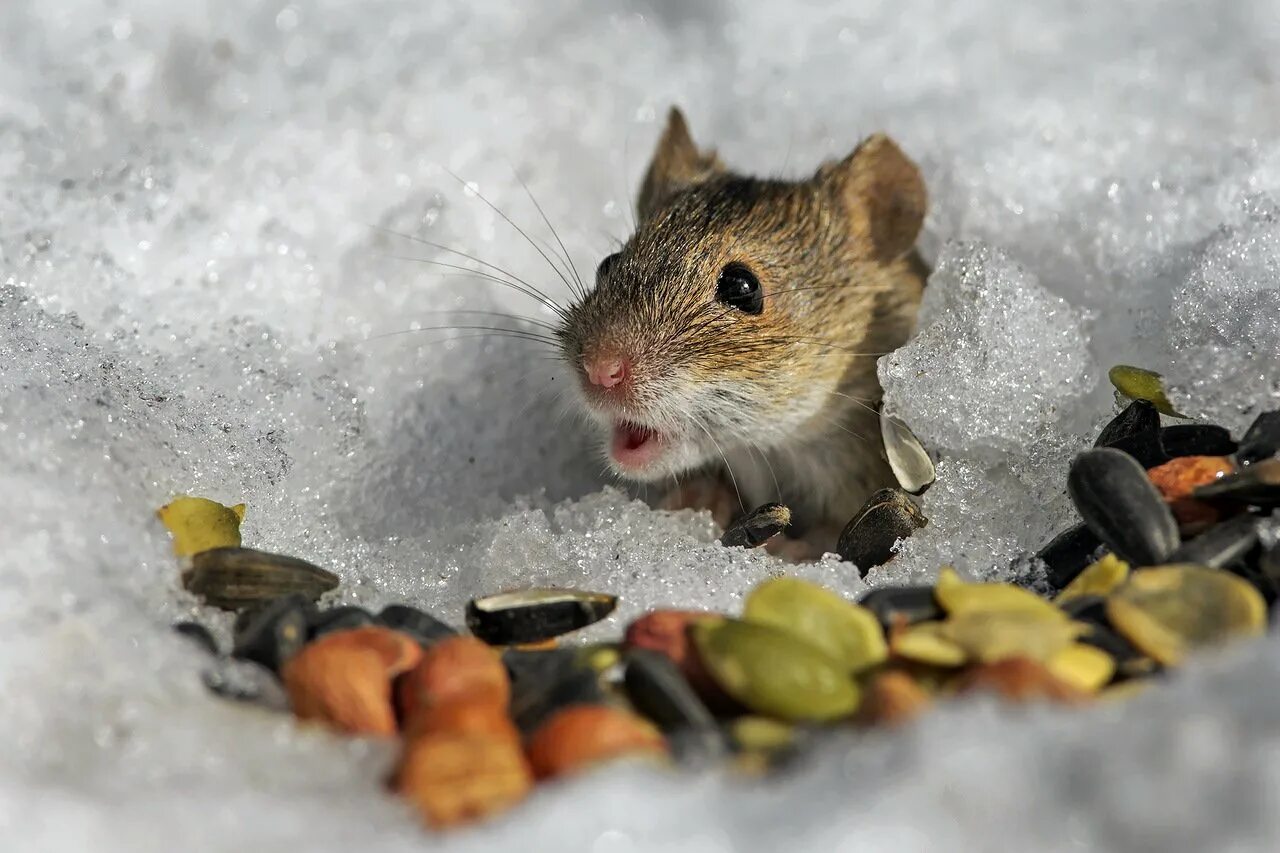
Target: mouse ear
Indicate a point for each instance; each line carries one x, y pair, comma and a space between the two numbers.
677, 164
884, 195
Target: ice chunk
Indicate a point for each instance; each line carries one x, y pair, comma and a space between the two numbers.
997, 360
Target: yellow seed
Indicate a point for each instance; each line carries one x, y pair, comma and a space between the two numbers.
993, 635
762, 733
1170, 611
1086, 667
1099, 578
1125, 689
199, 524
927, 642
955, 596
1139, 384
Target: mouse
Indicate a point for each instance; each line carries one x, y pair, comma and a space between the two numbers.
727, 350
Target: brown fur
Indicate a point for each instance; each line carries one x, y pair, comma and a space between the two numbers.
834, 256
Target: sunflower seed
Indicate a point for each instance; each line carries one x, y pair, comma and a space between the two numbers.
757, 527
1262, 440
530, 615
868, 540
911, 464
1116, 499
1138, 418
232, 578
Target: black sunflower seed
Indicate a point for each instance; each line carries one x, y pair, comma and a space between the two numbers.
868, 539
422, 626
1262, 440
1196, 440
658, 690
910, 603
757, 527
1257, 484
1069, 553
273, 632
1117, 500
530, 615
339, 619
542, 682
1225, 543
1138, 418
1144, 447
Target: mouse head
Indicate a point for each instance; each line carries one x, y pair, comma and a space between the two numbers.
732, 316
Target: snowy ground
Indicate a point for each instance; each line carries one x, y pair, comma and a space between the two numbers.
192, 276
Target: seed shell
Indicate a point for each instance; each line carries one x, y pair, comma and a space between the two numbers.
910, 462
757, 527
887, 516
232, 578
1139, 384
531, 615
198, 524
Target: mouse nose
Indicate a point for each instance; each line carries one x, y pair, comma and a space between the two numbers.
606, 371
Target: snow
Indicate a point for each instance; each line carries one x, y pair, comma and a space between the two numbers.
198, 290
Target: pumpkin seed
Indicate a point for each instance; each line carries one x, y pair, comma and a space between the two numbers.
757, 527
773, 672
848, 633
1116, 499
908, 459
530, 615
1170, 611
887, 516
1139, 384
992, 635
198, 524
958, 597
1098, 579
927, 642
232, 578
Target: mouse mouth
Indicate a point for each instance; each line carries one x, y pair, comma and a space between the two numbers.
635, 446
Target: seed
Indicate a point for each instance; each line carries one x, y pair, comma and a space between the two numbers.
993, 635
1116, 499
198, 524
1196, 440
1099, 579
458, 666
1178, 478
848, 633
772, 672
531, 615
1020, 680
454, 778
1170, 611
273, 632
958, 597
545, 682
344, 680
658, 690
475, 714
198, 634
1257, 484
893, 698
1085, 667
887, 516
1068, 554
424, 627
1262, 440
232, 578
910, 604
583, 736
757, 527
1139, 384
666, 632
339, 619
1145, 447
907, 457
1221, 545
928, 643
1139, 418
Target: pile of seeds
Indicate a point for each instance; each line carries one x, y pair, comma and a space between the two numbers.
1178, 550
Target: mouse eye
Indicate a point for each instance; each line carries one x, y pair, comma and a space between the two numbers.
739, 288
606, 265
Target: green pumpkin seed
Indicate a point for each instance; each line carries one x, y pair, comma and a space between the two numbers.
957, 597
1085, 667
993, 635
773, 672
1169, 611
1139, 384
847, 632
927, 642
1100, 578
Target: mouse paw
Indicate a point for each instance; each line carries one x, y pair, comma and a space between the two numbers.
709, 493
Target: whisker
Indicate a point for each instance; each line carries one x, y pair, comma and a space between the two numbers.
470, 188
727, 466
551, 327
582, 292
527, 290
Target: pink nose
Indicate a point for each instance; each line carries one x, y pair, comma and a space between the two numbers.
606, 371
